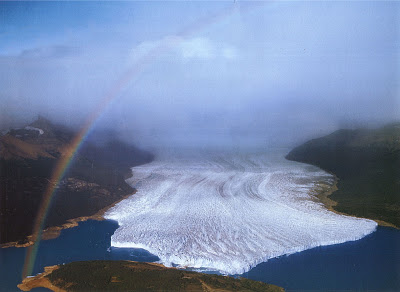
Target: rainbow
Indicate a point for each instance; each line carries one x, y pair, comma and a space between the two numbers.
69, 153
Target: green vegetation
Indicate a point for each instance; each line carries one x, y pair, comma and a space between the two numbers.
367, 163
135, 276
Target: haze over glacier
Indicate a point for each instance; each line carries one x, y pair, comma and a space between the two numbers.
228, 212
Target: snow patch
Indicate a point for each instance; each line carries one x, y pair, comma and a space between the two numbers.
41, 132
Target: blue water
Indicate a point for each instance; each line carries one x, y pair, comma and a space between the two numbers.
89, 241
372, 263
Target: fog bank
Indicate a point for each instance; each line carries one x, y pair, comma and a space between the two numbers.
208, 74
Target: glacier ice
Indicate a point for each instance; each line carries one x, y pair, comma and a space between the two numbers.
228, 212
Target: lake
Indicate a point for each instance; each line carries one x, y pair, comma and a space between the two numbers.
371, 263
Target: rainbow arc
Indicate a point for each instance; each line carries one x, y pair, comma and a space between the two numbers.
125, 80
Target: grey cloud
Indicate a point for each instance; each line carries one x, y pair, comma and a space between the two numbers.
274, 75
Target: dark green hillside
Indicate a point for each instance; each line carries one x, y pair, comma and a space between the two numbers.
135, 276
367, 163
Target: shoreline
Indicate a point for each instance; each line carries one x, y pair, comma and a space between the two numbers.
55, 231
137, 276
367, 163
322, 192
40, 281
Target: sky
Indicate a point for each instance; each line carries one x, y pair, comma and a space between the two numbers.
202, 73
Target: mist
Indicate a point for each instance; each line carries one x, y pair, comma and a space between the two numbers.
202, 74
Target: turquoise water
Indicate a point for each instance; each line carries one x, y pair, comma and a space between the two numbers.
372, 263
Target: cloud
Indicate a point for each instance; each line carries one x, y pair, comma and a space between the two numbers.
229, 52
200, 48
255, 75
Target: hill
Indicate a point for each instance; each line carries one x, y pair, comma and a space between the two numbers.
135, 276
367, 163
94, 180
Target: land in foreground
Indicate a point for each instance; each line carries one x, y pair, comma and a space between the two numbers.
135, 276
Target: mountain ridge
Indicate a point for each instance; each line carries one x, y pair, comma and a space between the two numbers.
27, 158
367, 163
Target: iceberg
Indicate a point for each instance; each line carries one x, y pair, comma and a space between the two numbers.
228, 212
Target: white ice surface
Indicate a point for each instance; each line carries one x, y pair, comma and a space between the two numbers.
228, 212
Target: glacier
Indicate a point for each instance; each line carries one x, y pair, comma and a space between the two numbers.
228, 212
